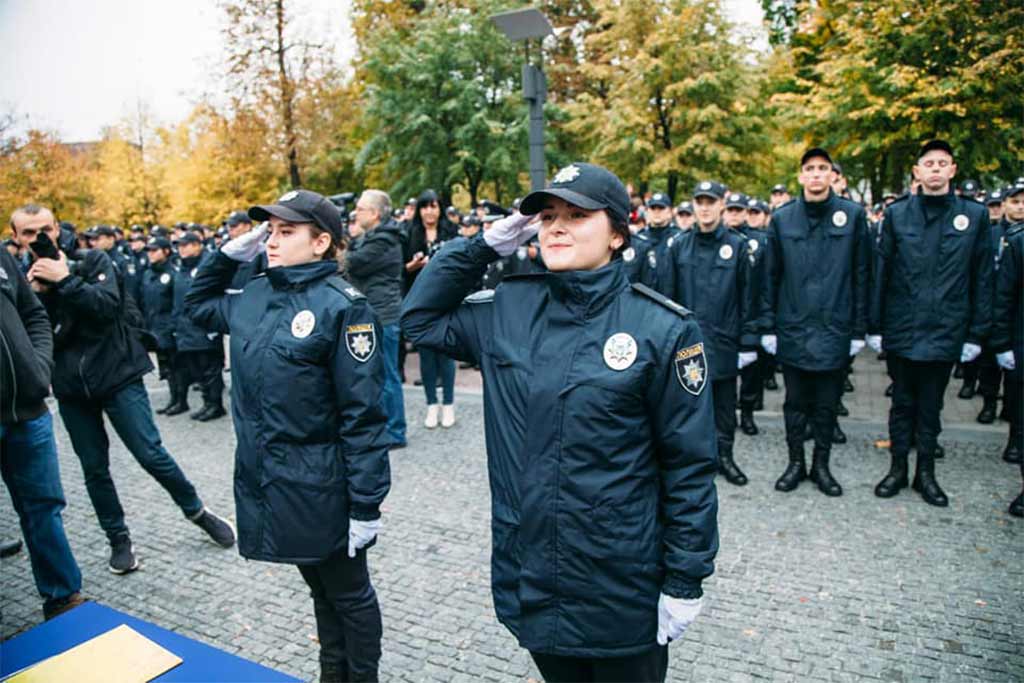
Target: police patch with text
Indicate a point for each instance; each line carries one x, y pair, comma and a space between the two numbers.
361, 341
692, 368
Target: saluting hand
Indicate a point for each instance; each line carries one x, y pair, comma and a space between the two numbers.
507, 234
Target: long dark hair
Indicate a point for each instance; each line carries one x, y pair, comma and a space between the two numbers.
446, 230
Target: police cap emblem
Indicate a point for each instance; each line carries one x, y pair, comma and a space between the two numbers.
361, 341
567, 174
620, 351
725, 253
692, 368
705, 185
288, 196
303, 324
961, 222
839, 219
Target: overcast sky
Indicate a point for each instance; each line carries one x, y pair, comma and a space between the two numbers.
75, 66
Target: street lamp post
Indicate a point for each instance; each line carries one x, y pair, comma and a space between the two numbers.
526, 25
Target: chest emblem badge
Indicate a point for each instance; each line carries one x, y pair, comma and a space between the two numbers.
725, 253
839, 219
620, 351
303, 324
961, 222
629, 254
165, 278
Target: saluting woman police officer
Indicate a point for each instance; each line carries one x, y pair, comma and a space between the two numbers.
311, 466
600, 433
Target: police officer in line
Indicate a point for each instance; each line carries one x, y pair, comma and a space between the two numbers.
779, 196
157, 306
758, 212
814, 310
931, 304
311, 465
710, 272
969, 188
198, 354
684, 215
647, 259
1008, 324
599, 433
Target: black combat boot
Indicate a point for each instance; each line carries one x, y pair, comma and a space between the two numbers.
770, 384
821, 475
1017, 506
837, 434
211, 411
841, 410
747, 422
889, 390
847, 386
795, 472
924, 481
967, 391
172, 386
988, 411
896, 480
727, 466
180, 404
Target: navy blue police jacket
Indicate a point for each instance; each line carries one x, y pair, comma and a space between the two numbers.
602, 479
187, 335
711, 274
933, 277
1008, 308
306, 376
647, 259
157, 303
816, 285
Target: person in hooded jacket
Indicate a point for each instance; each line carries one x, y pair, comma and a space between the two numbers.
599, 428
311, 464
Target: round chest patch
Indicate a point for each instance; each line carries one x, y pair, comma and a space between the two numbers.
725, 253
629, 254
101, 277
754, 246
165, 278
839, 219
303, 324
961, 222
652, 259
619, 351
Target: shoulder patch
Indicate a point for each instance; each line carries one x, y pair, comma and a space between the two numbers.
671, 305
482, 297
350, 292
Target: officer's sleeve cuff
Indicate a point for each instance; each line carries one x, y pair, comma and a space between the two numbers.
480, 252
677, 586
364, 513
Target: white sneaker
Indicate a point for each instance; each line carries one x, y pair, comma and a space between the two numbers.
447, 416
430, 422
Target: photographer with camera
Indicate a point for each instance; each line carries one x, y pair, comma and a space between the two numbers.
99, 363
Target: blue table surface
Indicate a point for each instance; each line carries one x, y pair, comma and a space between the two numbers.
199, 662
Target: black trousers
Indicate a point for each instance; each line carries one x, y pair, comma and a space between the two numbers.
348, 621
918, 389
752, 383
811, 395
1013, 398
648, 667
724, 392
205, 368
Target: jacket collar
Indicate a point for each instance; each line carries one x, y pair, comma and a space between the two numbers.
300, 276
586, 292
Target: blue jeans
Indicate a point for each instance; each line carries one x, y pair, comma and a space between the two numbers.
392, 399
32, 474
129, 412
432, 366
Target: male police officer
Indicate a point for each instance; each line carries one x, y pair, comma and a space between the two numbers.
814, 310
157, 306
647, 259
684, 216
1007, 340
779, 196
931, 305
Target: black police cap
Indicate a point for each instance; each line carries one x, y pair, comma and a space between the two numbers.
932, 145
302, 206
685, 208
158, 243
736, 200
780, 189
994, 197
1013, 190
237, 218
970, 186
815, 153
587, 186
190, 238
659, 199
709, 188
104, 230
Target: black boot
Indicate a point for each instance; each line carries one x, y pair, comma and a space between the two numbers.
795, 472
172, 386
727, 466
1012, 452
9, 548
966, 391
924, 481
212, 411
770, 384
821, 475
847, 386
180, 404
988, 411
747, 422
888, 390
837, 434
842, 411
1017, 506
333, 673
940, 452
896, 480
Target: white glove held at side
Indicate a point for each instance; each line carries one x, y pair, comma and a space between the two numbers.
746, 358
360, 533
245, 247
770, 343
1006, 360
970, 352
856, 346
875, 342
675, 616
507, 234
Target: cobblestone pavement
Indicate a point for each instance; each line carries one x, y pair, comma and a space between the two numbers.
807, 588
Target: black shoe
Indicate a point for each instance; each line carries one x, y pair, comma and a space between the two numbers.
747, 423
847, 385
170, 404
925, 484
417, 383
59, 607
888, 390
842, 410
821, 475
218, 528
988, 412
176, 409
122, 556
9, 548
1011, 454
771, 385
795, 472
940, 452
896, 480
958, 371
966, 392
211, 412
837, 435
733, 474
1017, 506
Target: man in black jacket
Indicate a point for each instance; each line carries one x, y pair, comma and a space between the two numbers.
29, 464
99, 364
374, 264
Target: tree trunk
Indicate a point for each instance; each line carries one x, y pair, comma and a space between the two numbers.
287, 101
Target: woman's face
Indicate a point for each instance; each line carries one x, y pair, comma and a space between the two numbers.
572, 238
430, 213
291, 244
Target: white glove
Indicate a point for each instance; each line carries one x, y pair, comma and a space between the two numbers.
245, 248
675, 616
507, 234
360, 533
1006, 360
856, 346
875, 342
746, 358
770, 343
970, 352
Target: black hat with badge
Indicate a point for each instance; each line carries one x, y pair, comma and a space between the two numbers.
237, 218
685, 208
103, 231
158, 243
816, 153
659, 199
937, 144
780, 189
587, 186
736, 200
1013, 190
302, 206
994, 197
755, 204
190, 238
709, 188
970, 187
